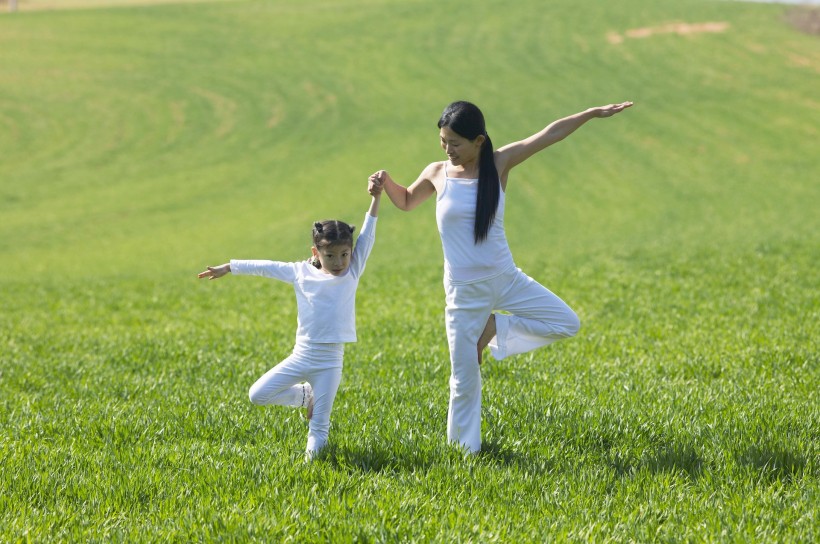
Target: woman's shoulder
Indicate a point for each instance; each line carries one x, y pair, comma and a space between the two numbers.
436, 173
434, 169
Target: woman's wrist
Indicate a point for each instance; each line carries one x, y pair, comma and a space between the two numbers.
592, 113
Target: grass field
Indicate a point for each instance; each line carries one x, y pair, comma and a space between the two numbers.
38, 5
142, 143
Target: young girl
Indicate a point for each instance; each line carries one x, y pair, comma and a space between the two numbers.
480, 276
325, 289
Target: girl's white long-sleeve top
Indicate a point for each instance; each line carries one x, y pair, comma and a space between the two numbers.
326, 304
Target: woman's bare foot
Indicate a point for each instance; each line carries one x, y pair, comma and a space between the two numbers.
486, 336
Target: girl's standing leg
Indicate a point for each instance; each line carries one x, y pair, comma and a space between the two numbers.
326, 362
539, 317
467, 308
318, 364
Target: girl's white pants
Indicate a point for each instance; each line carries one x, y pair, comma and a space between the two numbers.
537, 317
320, 365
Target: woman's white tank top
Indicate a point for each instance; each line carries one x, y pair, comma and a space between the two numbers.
464, 260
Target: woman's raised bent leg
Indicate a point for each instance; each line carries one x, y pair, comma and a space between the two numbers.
537, 317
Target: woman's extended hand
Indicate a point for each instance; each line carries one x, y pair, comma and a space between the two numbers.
611, 109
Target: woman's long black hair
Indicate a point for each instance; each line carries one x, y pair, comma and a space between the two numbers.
466, 120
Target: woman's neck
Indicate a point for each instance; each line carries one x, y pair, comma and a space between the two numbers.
464, 171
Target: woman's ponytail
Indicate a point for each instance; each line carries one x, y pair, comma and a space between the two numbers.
489, 191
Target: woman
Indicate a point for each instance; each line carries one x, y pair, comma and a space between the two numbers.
480, 276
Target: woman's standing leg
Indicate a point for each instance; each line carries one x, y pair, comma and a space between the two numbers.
466, 312
539, 317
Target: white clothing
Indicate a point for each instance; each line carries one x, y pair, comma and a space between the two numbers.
326, 307
326, 303
464, 260
320, 365
478, 280
538, 318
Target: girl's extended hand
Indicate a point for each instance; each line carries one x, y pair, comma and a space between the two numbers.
375, 183
214, 272
611, 109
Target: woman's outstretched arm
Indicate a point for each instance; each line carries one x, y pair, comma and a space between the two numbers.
406, 198
515, 153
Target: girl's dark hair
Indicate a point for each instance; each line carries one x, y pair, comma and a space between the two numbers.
466, 120
329, 233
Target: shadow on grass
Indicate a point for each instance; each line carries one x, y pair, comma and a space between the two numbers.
775, 464
375, 458
673, 458
676, 457
499, 454
392, 458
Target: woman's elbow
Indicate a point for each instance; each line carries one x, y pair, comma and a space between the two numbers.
404, 204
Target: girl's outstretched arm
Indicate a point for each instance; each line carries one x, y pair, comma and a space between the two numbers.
405, 198
373, 211
214, 272
515, 153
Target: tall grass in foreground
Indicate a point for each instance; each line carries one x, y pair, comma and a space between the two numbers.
683, 233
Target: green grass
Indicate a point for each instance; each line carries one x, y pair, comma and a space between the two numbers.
140, 144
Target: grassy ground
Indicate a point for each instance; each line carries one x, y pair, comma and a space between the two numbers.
38, 5
140, 144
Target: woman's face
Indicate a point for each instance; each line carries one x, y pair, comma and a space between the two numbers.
459, 149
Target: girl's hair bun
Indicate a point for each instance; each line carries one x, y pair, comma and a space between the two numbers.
331, 232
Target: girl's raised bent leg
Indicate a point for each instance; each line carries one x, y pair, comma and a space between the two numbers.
281, 384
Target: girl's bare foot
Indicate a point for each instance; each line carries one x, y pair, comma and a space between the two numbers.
308, 399
486, 336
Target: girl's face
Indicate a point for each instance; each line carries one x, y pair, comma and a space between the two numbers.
459, 149
335, 259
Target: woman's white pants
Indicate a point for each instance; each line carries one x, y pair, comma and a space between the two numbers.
320, 365
536, 317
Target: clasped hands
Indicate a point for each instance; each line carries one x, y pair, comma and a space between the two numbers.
375, 183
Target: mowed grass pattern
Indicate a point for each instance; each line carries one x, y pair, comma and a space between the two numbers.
140, 144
